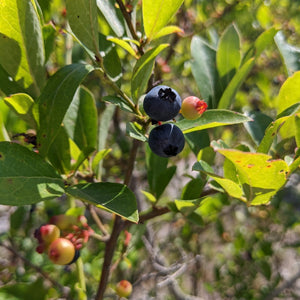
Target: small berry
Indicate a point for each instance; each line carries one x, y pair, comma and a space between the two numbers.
166, 140
61, 251
192, 107
124, 288
64, 222
49, 233
162, 103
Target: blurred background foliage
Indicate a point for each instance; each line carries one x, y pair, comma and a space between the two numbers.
223, 251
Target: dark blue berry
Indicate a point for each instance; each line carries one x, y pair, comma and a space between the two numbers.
166, 140
162, 103
76, 256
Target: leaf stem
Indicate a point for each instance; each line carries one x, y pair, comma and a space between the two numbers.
81, 279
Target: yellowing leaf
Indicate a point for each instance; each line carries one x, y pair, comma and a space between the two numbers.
156, 14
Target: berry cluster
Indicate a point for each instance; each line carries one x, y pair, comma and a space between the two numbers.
163, 103
62, 238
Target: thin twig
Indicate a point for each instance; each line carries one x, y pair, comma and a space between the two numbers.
37, 269
97, 220
287, 284
119, 225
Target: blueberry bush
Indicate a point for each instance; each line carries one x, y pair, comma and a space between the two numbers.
149, 149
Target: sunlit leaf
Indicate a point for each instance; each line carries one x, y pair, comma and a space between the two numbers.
212, 118
260, 176
156, 14
168, 30
22, 105
21, 45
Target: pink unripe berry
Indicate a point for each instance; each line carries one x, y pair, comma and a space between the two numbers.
49, 233
192, 107
124, 288
61, 251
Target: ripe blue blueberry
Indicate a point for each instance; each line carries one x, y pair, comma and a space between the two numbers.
166, 140
162, 103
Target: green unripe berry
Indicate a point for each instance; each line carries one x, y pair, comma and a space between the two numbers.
124, 288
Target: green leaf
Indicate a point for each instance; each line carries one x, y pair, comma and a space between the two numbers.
227, 98
118, 101
142, 71
55, 100
257, 128
212, 118
49, 35
8, 85
111, 60
205, 72
114, 197
260, 176
168, 30
297, 126
17, 291
59, 152
157, 14
193, 189
22, 105
82, 16
197, 140
25, 178
295, 164
105, 121
228, 54
21, 45
81, 120
289, 93
124, 44
270, 134
261, 43
98, 157
159, 175
233, 189
3, 132
289, 53
134, 130
112, 15
149, 196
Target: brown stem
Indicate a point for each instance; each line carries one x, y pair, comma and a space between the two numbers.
155, 212
97, 220
119, 225
127, 18
108, 256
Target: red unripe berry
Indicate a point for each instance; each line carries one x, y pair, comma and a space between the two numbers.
61, 251
49, 233
124, 288
192, 107
128, 236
